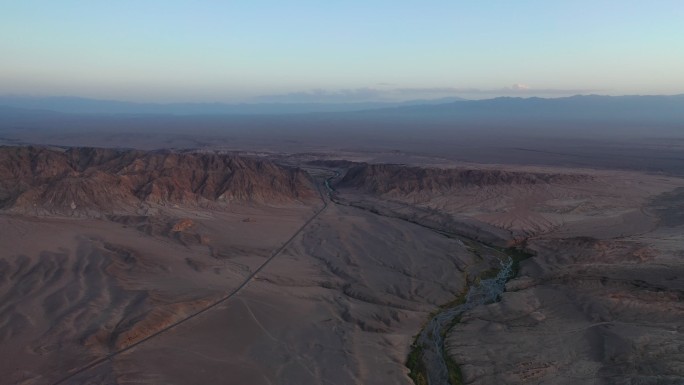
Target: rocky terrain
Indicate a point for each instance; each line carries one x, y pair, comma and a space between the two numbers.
96, 182
601, 300
113, 260
126, 266
522, 201
582, 311
410, 182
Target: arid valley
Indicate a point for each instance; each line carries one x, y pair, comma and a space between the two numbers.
208, 266
342, 192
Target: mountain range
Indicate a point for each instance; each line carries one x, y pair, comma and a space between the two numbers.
79, 105
595, 108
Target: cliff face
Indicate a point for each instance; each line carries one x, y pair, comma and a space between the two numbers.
522, 201
90, 181
390, 178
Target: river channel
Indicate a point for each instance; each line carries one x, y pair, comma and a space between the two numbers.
430, 341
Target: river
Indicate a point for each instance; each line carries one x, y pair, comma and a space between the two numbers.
431, 339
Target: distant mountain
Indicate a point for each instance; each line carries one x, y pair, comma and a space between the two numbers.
595, 108
77, 105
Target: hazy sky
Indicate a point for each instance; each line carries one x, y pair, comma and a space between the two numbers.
170, 50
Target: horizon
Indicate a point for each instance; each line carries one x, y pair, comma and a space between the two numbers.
438, 100
302, 52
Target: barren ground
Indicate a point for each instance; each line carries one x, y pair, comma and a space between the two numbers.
335, 291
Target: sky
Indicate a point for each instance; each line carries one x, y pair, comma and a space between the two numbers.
339, 51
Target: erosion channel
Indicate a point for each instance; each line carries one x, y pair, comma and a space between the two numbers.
429, 349
428, 361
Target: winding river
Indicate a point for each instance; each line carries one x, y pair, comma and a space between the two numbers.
431, 338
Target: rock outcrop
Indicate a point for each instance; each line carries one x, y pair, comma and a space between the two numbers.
402, 179
96, 182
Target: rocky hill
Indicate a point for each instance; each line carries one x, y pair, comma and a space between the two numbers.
401, 179
524, 201
95, 181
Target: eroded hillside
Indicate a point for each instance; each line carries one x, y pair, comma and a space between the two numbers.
600, 301
95, 182
196, 268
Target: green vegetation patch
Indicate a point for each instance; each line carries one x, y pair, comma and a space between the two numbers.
517, 254
418, 372
455, 374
